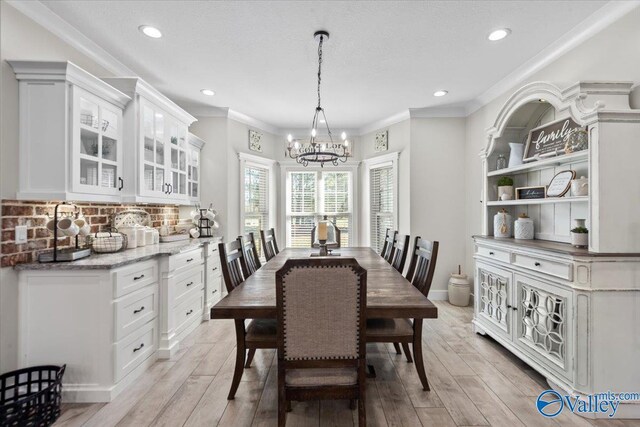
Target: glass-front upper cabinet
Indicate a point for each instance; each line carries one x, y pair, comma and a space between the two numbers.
177, 161
97, 145
154, 173
195, 145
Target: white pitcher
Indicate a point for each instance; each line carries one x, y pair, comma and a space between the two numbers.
516, 154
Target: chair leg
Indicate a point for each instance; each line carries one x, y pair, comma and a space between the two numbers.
407, 352
282, 413
252, 352
288, 406
352, 404
417, 352
362, 412
240, 355
397, 347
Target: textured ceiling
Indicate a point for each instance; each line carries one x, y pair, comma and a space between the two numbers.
383, 57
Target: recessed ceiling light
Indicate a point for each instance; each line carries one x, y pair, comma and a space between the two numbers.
207, 92
499, 34
440, 93
150, 31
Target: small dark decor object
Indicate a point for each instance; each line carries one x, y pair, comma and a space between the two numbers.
66, 254
31, 396
204, 224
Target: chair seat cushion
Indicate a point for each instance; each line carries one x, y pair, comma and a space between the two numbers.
389, 327
321, 377
262, 331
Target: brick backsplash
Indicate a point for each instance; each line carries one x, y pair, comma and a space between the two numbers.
35, 215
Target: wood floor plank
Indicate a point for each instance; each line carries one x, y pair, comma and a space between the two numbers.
111, 413
240, 411
179, 408
214, 359
397, 407
153, 402
491, 376
304, 414
493, 409
77, 414
449, 358
267, 411
335, 413
419, 397
373, 403
435, 417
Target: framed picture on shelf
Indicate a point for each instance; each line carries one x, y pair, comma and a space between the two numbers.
560, 183
528, 193
549, 140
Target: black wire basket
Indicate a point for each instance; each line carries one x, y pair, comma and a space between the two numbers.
31, 396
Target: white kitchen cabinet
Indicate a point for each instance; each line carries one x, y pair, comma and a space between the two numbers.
156, 149
569, 313
214, 289
71, 134
193, 168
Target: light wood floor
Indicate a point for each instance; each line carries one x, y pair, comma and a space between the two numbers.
474, 381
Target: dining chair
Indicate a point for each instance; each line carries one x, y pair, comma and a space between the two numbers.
400, 249
390, 238
250, 259
321, 332
269, 244
258, 333
406, 331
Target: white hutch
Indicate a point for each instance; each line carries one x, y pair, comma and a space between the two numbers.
572, 314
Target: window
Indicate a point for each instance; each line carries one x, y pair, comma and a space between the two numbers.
381, 200
310, 196
256, 202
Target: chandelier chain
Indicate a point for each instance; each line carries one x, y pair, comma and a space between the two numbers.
319, 67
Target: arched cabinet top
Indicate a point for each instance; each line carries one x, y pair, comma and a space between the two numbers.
585, 102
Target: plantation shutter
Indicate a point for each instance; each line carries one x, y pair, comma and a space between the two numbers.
302, 208
336, 203
382, 204
256, 202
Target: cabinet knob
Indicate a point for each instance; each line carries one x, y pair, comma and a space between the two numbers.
214, 268
138, 277
537, 264
214, 291
190, 259
138, 348
189, 312
121, 183
138, 310
491, 253
189, 284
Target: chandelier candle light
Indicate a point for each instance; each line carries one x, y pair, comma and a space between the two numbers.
319, 152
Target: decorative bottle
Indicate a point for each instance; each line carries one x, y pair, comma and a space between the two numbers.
502, 224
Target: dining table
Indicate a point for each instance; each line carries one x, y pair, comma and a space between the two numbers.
389, 295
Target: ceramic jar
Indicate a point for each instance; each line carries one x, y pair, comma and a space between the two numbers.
580, 240
459, 290
502, 224
132, 236
516, 154
580, 187
141, 235
523, 228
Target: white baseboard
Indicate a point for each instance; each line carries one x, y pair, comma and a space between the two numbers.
439, 295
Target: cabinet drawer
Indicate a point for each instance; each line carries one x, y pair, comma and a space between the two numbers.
134, 349
187, 259
497, 254
137, 276
187, 311
185, 283
563, 270
213, 290
212, 250
135, 309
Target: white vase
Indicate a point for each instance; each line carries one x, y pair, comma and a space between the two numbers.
523, 228
505, 192
502, 224
516, 153
580, 240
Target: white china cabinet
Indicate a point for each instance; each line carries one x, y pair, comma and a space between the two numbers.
569, 313
193, 168
71, 145
157, 149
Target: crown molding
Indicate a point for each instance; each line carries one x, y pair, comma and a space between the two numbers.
206, 110
453, 110
379, 124
250, 121
45, 17
592, 25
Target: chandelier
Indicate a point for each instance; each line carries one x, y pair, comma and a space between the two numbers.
317, 151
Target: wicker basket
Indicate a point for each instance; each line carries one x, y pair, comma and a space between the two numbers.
31, 396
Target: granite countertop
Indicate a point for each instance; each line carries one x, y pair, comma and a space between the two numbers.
118, 259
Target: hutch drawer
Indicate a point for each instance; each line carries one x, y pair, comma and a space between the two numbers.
563, 270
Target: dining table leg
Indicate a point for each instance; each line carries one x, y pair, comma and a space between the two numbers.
407, 352
240, 357
417, 353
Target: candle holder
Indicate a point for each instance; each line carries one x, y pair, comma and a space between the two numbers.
323, 248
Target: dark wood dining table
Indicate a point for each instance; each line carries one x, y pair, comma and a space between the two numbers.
389, 294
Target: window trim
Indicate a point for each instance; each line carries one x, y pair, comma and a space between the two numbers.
390, 159
249, 160
349, 166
